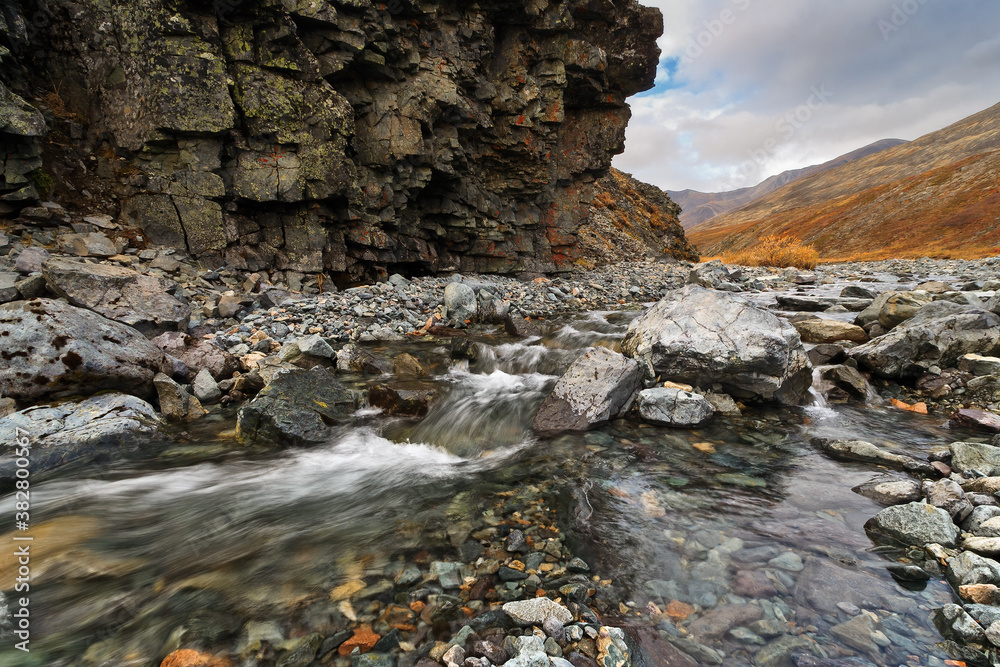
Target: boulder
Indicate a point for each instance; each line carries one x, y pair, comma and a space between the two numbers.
407, 366
8, 287
412, 399
460, 300
950, 497
144, 302
198, 354
175, 403
939, 334
847, 380
975, 457
597, 387
977, 419
315, 346
914, 524
858, 292
356, 359
99, 429
674, 407
51, 349
31, 260
516, 325
703, 337
205, 388
891, 491
901, 306
859, 450
814, 304
977, 364
969, 569
955, 624
818, 330
297, 407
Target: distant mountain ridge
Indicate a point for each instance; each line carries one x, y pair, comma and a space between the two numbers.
698, 207
938, 195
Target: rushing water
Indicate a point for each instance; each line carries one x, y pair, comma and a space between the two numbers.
132, 560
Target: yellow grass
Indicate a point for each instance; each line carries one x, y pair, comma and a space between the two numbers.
776, 251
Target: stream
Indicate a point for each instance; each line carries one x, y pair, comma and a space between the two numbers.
132, 560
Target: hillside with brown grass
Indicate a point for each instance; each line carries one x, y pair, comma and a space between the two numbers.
938, 196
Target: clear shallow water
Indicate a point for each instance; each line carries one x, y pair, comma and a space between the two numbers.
133, 561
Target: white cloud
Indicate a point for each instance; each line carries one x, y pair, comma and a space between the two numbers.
897, 68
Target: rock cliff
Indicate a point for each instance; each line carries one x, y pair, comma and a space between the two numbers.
349, 137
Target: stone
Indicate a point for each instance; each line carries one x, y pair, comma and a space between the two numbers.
949, 496
407, 366
8, 287
314, 345
354, 358
674, 407
175, 403
939, 334
974, 457
94, 244
899, 307
198, 353
954, 623
143, 302
717, 622
826, 354
859, 450
364, 638
979, 365
52, 350
298, 407
536, 611
191, 658
914, 524
107, 427
753, 584
460, 300
984, 546
778, 652
596, 388
612, 649
857, 292
971, 569
229, 305
847, 379
980, 594
31, 287
205, 388
31, 260
412, 399
857, 633
829, 331
703, 337
976, 419
891, 492
517, 325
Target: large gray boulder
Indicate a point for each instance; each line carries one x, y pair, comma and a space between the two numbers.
939, 334
674, 407
106, 427
597, 387
51, 349
296, 408
144, 302
460, 300
976, 457
703, 337
913, 524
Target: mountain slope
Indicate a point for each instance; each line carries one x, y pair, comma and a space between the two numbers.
698, 207
630, 220
937, 195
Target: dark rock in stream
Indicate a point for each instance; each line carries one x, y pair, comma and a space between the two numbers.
297, 407
703, 337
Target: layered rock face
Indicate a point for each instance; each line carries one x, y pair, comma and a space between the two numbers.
344, 136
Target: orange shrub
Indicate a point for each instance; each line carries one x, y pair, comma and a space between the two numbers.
776, 251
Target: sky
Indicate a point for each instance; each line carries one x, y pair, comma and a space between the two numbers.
746, 89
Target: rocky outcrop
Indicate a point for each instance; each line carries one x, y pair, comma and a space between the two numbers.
51, 349
703, 337
630, 219
344, 136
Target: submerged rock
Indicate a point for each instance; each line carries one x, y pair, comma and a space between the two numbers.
297, 407
597, 387
859, 450
103, 428
51, 349
703, 337
536, 611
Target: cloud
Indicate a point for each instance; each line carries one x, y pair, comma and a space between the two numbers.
736, 102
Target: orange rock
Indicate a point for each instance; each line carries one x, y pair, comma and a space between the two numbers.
705, 447
678, 610
919, 408
188, 658
364, 638
417, 606
980, 593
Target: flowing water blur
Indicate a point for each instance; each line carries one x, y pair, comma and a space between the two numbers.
128, 555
